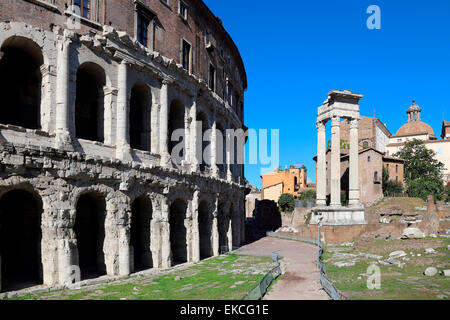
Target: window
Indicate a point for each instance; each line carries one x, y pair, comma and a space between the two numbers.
368, 159
212, 77
375, 176
186, 55
144, 25
207, 37
396, 168
365, 144
230, 95
83, 7
399, 140
396, 178
182, 10
142, 29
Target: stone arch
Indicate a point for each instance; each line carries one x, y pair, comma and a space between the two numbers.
205, 222
178, 231
205, 140
176, 121
140, 116
89, 229
21, 60
20, 239
89, 102
140, 233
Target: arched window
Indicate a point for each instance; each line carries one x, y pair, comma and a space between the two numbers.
89, 103
375, 176
20, 82
140, 112
176, 122
365, 144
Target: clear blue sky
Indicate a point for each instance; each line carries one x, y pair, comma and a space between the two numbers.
296, 51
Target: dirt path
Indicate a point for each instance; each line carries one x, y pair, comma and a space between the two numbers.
301, 280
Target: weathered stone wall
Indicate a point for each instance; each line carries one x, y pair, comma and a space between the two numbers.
58, 168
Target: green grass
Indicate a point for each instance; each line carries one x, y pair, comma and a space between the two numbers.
214, 279
407, 283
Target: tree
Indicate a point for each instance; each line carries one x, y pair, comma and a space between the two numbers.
423, 173
303, 167
308, 195
390, 187
286, 202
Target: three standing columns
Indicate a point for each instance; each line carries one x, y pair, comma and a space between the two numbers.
335, 164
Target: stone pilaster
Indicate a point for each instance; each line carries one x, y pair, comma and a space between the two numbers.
122, 137
195, 228
166, 260
194, 142
214, 168
164, 124
354, 165
63, 138
215, 228
321, 165
155, 129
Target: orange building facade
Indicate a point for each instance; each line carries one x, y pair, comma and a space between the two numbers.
275, 183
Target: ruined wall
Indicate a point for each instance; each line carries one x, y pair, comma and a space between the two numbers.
194, 213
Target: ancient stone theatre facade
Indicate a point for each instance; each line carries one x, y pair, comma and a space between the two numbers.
92, 91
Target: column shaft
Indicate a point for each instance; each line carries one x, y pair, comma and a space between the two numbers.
335, 162
354, 164
164, 124
122, 137
321, 165
214, 148
194, 137
62, 93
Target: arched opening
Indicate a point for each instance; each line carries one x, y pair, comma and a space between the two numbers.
178, 230
89, 103
20, 240
140, 112
141, 217
176, 121
204, 228
20, 82
90, 233
206, 157
221, 151
223, 225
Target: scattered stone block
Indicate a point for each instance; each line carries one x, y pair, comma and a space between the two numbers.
412, 233
397, 254
430, 250
430, 271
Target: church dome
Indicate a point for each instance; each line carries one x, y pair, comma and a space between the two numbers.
415, 126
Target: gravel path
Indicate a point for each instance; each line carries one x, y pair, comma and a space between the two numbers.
301, 280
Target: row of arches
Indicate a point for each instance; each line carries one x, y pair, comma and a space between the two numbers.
21, 60
21, 235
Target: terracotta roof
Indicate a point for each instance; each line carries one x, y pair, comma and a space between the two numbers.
414, 128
